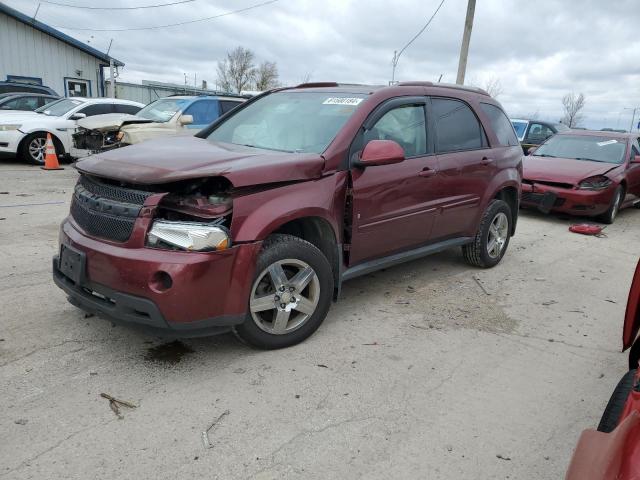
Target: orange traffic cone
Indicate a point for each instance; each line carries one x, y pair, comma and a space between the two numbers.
50, 156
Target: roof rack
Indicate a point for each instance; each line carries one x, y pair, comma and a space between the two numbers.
208, 94
445, 85
317, 85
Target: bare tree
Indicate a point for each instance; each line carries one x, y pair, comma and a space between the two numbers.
237, 71
494, 87
266, 76
306, 78
573, 105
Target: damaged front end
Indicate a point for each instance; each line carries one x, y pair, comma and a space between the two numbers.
103, 132
192, 215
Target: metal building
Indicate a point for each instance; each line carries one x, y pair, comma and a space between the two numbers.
33, 52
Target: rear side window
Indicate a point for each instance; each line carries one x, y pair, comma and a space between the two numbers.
130, 109
227, 106
501, 125
457, 127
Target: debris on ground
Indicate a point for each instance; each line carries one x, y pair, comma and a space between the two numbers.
549, 302
481, 285
501, 457
321, 365
205, 435
115, 404
21, 421
587, 229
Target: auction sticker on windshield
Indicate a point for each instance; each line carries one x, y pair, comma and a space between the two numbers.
608, 142
342, 101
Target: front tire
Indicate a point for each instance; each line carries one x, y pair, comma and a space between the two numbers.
290, 296
611, 415
492, 239
610, 215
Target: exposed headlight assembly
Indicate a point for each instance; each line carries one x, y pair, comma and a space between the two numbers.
597, 182
190, 236
9, 127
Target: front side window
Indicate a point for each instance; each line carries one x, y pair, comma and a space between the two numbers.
59, 108
457, 126
124, 108
97, 109
289, 121
21, 103
538, 133
404, 125
227, 106
501, 125
164, 109
202, 111
584, 147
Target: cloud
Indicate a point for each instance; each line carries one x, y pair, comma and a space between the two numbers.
538, 50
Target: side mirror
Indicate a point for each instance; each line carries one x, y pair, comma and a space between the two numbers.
186, 120
636, 159
381, 152
531, 150
78, 116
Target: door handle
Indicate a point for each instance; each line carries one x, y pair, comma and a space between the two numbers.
486, 161
427, 172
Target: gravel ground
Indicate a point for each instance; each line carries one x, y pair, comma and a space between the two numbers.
429, 370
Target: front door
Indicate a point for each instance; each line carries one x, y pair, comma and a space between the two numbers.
394, 206
467, 166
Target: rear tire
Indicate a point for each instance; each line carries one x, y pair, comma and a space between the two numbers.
612, 412
610, 215
285, 312
492, 239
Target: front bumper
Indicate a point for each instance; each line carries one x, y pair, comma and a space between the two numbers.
208, 294
9, 142
548, 198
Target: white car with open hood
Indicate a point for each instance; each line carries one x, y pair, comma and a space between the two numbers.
24, 134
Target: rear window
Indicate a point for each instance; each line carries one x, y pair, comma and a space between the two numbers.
457, 126
130, 109
501, 125
227, 106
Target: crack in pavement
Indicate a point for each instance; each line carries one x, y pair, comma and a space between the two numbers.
46, 347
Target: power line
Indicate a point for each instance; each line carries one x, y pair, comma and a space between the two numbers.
68, 5
168, 25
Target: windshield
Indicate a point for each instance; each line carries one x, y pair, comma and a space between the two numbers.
59, 107
304, 122
582, 147
520, 128
162, 110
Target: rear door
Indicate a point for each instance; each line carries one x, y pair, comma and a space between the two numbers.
467, 166
394, 206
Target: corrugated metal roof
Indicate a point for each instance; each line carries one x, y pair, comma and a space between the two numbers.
21, 17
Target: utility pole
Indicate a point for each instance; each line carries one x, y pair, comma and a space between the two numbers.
466, 38
633, 117
112, 79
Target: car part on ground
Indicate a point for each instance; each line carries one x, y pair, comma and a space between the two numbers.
586, 229
253, 224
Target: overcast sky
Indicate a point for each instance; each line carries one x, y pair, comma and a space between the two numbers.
537, 50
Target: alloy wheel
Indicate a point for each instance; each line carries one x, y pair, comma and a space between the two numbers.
284, 296
36, 149
498, 235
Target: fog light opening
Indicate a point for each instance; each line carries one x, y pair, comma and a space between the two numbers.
160, 282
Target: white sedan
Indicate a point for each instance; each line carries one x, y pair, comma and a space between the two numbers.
24, 134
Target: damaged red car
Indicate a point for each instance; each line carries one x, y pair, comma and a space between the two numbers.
583, 173
253, 224
613, 451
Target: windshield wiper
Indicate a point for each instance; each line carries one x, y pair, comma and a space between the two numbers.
590, 159
265, 148
543, 155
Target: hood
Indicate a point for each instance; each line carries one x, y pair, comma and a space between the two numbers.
109, 121
632, 316
562, 170
13, 115
172, 159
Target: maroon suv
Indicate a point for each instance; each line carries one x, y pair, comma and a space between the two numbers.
253, 224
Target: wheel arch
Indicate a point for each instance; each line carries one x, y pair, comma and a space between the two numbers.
320, 233
510, 195
57, 142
